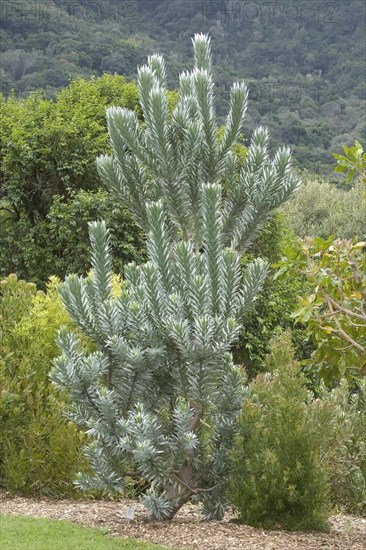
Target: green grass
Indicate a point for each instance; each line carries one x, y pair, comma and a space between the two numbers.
25, 533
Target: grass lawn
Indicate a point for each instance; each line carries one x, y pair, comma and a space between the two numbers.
26, 533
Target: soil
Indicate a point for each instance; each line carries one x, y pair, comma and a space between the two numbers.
187, 530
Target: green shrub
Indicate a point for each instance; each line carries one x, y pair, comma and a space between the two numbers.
42, 458
321, 209
277, 480
16, 300
40, 450
50, 146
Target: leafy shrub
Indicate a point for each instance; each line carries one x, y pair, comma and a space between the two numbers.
16, 300
321, 209
333, 310
43, 457
40, 451
277, 480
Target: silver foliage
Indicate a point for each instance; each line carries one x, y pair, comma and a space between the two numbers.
174, 154
159, 394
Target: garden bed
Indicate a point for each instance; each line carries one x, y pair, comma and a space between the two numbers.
188, 530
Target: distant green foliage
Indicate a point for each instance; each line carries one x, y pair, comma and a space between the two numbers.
311, 97
321, 209
40, 451
276, 478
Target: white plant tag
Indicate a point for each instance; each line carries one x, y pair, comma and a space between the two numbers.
130, 513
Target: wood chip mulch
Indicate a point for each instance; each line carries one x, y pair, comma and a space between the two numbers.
187, 530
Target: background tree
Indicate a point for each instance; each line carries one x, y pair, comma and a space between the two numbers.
273, 308
60, 243
49, 148
49, 182
161, 394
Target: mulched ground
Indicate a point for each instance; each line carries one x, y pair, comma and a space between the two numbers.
187, 530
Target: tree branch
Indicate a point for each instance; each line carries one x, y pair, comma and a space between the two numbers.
345, 335
341, 308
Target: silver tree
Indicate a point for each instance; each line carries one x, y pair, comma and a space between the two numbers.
160, 394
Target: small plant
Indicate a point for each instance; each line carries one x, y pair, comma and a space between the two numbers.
276, 476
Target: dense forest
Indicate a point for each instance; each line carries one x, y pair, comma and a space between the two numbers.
303, 61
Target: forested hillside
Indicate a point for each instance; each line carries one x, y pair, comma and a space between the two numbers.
303, 61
